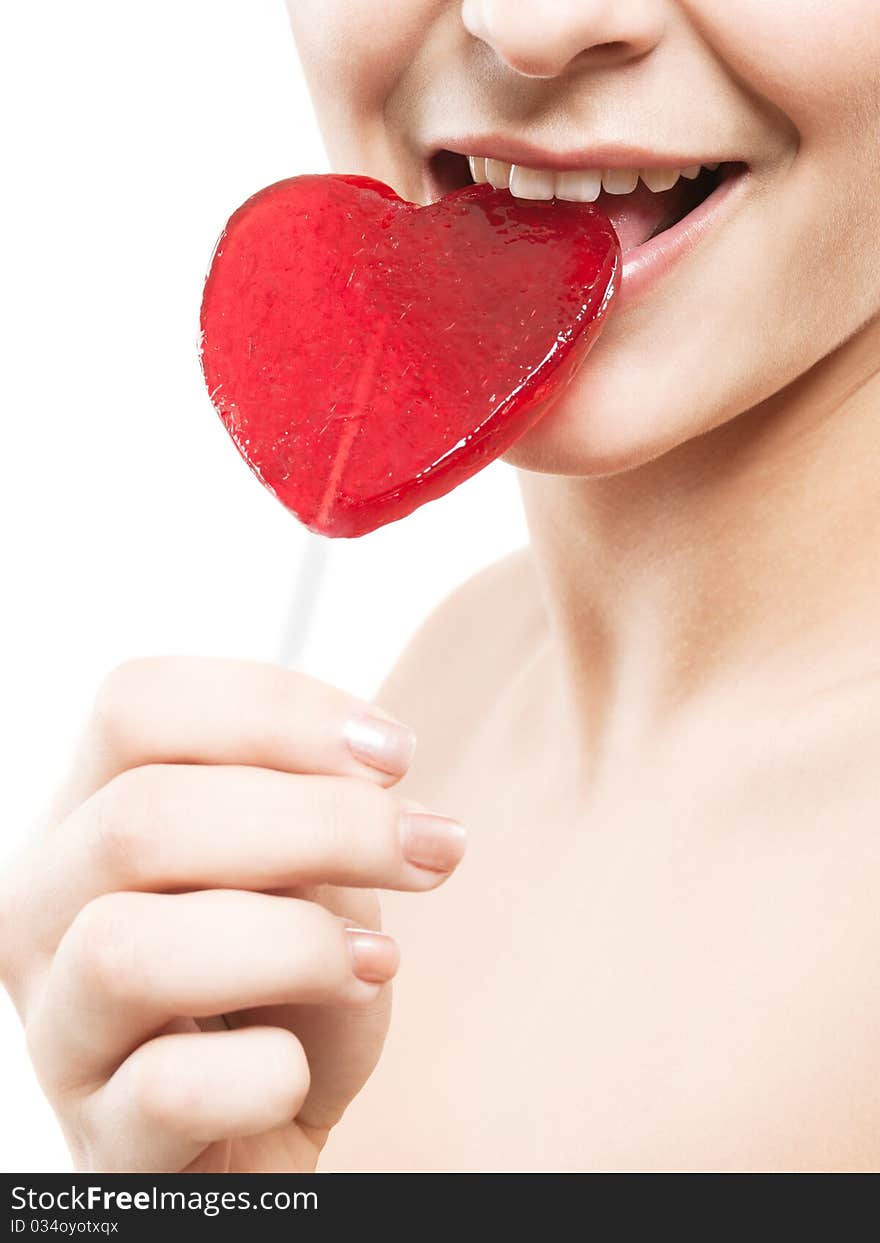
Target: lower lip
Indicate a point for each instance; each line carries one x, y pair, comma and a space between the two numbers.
650, 262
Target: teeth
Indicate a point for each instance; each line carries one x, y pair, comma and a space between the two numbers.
478, 169
581, 185
620, 180
498, 174
659, 179
531, 183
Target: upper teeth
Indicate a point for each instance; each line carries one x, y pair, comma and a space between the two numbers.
582, 185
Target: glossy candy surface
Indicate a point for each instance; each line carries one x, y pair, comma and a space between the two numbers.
367, 355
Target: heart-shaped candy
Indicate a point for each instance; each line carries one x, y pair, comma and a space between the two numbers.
366, 354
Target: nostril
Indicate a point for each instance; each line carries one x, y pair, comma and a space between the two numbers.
605, 55
615, 48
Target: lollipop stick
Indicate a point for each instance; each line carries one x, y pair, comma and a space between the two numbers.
364, 386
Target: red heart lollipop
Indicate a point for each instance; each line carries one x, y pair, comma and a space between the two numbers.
366, 355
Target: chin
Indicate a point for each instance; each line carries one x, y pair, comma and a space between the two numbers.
611, 419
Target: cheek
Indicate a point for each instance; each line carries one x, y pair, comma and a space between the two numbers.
809, 58
353, 60
327, 38
779, 287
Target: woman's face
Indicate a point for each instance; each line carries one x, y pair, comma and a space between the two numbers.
777, 260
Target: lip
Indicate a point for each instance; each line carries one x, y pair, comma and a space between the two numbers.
597, 155
646, 264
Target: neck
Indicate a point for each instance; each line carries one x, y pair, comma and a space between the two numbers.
747, 556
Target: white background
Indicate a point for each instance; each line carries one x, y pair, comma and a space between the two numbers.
130, 526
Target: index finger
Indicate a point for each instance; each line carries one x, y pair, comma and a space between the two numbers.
191, 710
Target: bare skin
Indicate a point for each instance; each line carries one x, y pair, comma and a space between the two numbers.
661, 951
658, 955
660, 723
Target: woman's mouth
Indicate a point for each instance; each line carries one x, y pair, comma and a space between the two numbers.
658, 213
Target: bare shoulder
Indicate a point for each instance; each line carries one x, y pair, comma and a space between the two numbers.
465, 650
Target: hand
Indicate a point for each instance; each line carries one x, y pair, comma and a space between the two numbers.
193, 940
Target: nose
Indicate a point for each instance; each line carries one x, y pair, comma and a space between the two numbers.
540, 40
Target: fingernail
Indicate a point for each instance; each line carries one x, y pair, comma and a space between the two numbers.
374, 956
433, 842
380, 743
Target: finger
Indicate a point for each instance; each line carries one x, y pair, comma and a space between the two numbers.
176, 826
131, 962
187, 710
177, 1094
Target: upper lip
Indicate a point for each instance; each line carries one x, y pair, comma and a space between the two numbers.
596, 155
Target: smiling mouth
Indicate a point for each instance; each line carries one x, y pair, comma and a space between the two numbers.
641, 203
